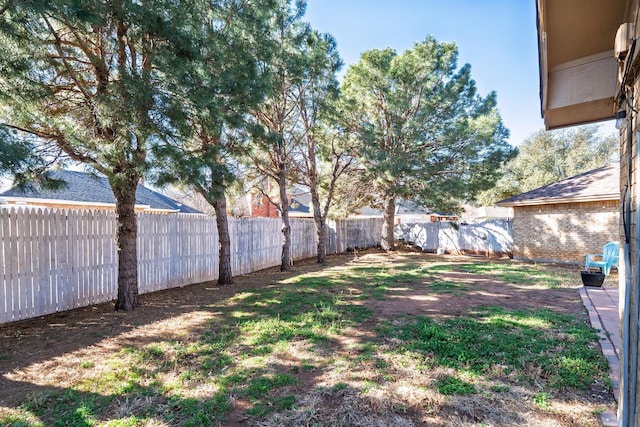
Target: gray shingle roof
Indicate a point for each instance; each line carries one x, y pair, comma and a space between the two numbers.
85, 187
595, 185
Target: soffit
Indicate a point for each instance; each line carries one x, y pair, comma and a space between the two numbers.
578, 70
577, 29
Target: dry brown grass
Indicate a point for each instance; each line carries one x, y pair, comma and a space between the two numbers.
354, 378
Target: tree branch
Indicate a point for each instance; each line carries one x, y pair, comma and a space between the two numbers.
66, 64
6, 6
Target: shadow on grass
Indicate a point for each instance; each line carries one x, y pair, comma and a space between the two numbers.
244, 352
57, 406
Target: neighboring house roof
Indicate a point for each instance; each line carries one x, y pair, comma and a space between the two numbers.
368, 211
93, 189
403, 207
300, 201
595, 185
299, 206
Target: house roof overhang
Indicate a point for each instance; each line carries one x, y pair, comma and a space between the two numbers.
557, 201
28, 201
578, 69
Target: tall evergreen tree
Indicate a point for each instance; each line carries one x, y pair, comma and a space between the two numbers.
82, 77
422, 132
546, 157
276, 117
21, 159
209, 98
320, 157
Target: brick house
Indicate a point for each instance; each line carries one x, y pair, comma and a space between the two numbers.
561, 222
299, 205
261, 206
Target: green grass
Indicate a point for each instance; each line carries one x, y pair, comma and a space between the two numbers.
542, 400
262, 409
264, 341
446, 287
258, 387
340, 386
70, 408
500, 388
518, 274
451, 385
523, 341
23, 420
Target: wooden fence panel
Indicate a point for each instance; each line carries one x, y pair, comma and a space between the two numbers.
346, 234
6, 269
74, 259
256, 243
56, 260
61, 254
42, 274
304, 240
176, 250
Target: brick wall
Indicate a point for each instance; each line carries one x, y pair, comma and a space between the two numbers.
262, 207
564, 232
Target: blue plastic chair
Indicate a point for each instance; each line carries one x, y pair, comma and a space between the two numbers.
604, 261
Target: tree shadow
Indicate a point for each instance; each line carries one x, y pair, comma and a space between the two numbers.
282, 319
54, 337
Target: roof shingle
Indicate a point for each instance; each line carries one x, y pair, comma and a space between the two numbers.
595, 185
86, 187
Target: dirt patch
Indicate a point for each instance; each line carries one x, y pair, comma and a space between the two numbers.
44, 353
479, 291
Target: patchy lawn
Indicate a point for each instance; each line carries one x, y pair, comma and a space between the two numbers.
405, 339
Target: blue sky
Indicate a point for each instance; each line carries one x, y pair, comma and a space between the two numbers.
497, 37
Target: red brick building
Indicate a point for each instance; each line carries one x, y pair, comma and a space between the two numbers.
261, 206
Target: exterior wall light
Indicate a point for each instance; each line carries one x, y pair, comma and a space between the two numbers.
621, 119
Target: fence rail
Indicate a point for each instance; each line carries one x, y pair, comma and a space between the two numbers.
55, 260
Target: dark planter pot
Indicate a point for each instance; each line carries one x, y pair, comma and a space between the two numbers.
591, 278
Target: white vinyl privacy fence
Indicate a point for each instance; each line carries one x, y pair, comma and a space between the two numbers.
56, 260
489, 238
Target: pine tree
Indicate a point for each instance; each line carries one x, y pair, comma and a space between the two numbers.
422, 132
209, 100
275, 118
550, 156
320, 155
21, 160
82, 78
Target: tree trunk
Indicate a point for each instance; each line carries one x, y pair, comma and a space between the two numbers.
322, 242
318, 218
387, 225
285, 265
321, 227
126, 235
225, 276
